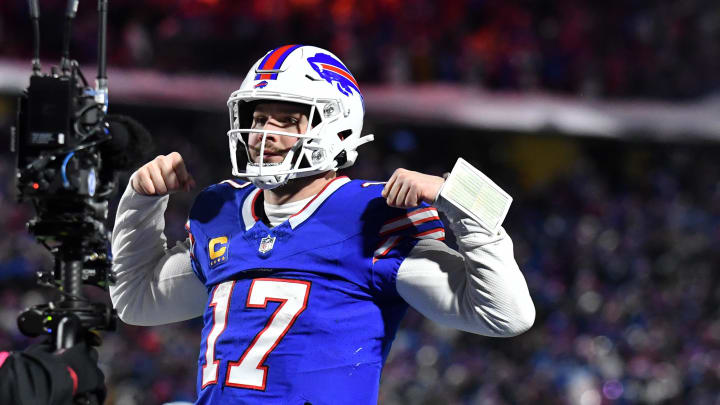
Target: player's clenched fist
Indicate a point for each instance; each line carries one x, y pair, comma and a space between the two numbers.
407, 189
163, 175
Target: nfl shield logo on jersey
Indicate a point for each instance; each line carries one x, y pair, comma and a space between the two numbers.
266, 244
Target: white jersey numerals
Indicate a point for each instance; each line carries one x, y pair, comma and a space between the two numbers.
249, 371
219, 302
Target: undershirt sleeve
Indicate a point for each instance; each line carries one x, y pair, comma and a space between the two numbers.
155, 285
478, 289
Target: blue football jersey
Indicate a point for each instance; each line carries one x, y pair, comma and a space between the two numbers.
304, 312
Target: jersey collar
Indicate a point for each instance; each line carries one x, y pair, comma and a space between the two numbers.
248, 208
250, 217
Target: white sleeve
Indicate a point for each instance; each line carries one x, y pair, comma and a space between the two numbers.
479, 289
154, 285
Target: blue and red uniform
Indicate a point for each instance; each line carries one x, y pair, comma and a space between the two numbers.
304, 312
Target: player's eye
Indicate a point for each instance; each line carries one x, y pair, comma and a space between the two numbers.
259, 121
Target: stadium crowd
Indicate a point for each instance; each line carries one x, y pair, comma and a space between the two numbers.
652, 49
616, 240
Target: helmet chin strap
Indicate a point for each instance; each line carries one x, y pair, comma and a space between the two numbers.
269, 181
262, 182
265, 185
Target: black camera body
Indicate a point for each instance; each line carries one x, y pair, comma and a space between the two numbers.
59, 138
69, 153
46, 128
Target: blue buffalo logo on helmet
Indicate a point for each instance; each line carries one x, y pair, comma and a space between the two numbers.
332, 70
261, 84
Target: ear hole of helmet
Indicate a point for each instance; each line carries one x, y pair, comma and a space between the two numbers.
341, 158
344, 134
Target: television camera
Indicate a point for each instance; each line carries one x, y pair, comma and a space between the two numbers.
69, 153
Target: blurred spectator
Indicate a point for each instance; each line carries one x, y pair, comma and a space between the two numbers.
652, 49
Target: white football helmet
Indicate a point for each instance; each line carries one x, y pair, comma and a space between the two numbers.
305, 75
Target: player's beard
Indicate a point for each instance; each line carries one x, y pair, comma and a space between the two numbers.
272, 149
293, 185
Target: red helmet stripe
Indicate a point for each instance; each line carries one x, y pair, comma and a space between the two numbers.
270, 61
341, 72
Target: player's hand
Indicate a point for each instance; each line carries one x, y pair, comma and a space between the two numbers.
165, 174
407, 189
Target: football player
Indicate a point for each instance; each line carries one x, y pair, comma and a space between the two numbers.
302, 275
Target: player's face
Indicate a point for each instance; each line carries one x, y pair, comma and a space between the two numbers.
281, 117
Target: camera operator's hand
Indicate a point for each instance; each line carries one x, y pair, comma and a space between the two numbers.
82, 359
38, 376
165, 174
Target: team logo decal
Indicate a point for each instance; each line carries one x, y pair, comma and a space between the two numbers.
261, 84
218, 250
266, 244
332, 70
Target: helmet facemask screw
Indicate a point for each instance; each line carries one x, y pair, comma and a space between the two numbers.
329, 110
318, 155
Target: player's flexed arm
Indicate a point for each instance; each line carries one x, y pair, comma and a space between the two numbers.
479, 289
155, 285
